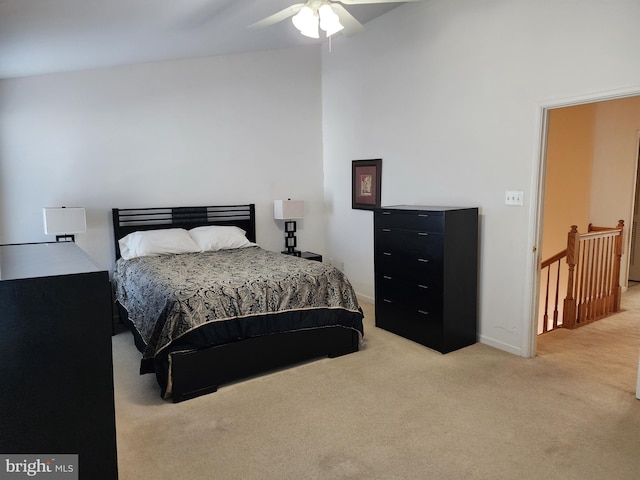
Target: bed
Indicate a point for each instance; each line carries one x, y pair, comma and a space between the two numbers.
225, 309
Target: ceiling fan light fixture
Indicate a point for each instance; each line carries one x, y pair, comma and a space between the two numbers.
329, 20
307, 22
311, 31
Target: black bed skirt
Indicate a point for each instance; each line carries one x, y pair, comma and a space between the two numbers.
222, 352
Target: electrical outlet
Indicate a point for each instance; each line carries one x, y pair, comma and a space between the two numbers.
513, 197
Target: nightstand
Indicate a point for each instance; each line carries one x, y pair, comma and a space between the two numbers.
312, 256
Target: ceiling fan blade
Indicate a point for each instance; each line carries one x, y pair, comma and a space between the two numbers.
278, 17
351, 25
367, 2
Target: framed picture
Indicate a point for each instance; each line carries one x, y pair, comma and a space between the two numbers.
365, 184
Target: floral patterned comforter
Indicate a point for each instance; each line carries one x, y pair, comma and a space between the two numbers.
170, 297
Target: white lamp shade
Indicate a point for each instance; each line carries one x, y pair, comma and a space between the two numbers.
63, 220
288, 209
306, 20
329, 20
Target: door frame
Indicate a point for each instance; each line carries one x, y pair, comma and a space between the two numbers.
536, 213
635, 205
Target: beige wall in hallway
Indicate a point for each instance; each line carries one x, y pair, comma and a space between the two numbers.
568, 174
614, 165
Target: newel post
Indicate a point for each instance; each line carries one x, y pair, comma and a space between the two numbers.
573, 246
617, 291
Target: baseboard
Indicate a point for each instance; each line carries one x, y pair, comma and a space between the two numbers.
365, 298
501, 345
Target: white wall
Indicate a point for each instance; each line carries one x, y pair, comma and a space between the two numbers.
450, 96
219, 130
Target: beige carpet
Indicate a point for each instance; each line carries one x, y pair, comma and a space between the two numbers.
396, 410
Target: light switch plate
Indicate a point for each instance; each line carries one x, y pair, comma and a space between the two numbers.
513, 197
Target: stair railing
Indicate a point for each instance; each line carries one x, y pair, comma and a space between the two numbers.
554, 263
593, 289
593, 278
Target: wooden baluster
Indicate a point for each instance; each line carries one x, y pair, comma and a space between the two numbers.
555, 309
616, 268
556, 260
592, 275
594, 279
590, 285
608, 276
611, 258
584, 281
597, 311
606, 306
569, 314
545, 318
583, 305
604, 281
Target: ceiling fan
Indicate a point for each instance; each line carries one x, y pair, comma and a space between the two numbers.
330, 16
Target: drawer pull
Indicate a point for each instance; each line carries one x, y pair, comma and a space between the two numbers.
423, 286
423, 260
387, 300
387, 277
423, 214
423, 312
386, 229
423, 234
386, 253
386, 213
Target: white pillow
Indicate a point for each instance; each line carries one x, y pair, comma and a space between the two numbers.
218, 237
156, 242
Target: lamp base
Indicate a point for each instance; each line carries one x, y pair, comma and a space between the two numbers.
290, 241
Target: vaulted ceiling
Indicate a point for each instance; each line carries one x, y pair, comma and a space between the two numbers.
46, 36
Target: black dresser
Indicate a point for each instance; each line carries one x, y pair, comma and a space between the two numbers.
55, 357
426, 270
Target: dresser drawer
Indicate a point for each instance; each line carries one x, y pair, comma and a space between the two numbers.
426, 329
425, 221
416, 269
417, 296
409, 243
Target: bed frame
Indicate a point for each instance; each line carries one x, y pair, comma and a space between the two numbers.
199, 372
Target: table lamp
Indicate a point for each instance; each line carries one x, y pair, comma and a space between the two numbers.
64, 222
288, 210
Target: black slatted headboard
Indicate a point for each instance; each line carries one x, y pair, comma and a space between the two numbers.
128, 220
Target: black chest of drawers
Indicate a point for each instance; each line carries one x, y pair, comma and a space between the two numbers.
55, 357
426, 269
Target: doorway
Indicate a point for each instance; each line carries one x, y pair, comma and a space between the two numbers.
601, 142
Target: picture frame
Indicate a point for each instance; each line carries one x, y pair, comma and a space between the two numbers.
366, 183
